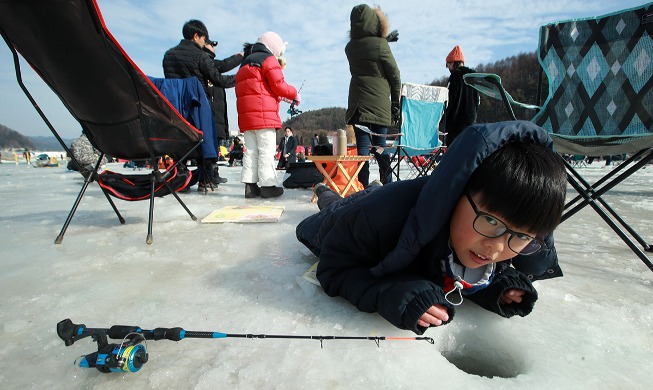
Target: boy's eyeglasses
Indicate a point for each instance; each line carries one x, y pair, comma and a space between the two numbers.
492, 227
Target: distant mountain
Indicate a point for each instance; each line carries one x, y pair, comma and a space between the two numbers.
321, 121
49, 143
12, 139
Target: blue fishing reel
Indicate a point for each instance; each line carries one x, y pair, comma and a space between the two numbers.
127, 356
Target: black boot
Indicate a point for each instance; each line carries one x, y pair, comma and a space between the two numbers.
211, 174
252, 190
271, 192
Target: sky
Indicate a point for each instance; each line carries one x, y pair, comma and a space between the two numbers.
316, 32
590, 329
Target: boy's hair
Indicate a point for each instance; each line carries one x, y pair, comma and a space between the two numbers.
524, 183
193, 27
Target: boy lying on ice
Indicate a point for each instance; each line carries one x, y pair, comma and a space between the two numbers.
480, 227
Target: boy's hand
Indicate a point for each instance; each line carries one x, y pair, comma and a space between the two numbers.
512, 295
435, 315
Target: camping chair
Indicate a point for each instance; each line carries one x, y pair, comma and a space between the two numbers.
600, 102
577, 161
119, 109
418, 143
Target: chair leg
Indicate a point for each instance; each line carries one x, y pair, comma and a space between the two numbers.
87, 180
113, 206
149, 238
59, 238
181, 202
593, 192
637, 161
632, 245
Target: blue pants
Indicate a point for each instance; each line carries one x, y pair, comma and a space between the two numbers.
364, 142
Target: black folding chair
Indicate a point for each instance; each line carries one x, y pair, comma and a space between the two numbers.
119, 109
600, 102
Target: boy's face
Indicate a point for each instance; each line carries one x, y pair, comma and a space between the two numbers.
473, 249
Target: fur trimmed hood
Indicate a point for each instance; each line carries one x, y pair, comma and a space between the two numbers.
367, 21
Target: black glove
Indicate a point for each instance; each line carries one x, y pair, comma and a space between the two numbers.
489, 297
393, 36
396, 114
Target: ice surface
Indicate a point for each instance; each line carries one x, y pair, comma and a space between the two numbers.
590, 329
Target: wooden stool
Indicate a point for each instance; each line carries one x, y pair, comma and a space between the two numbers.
339, 167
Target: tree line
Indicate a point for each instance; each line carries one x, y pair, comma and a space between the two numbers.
519, 75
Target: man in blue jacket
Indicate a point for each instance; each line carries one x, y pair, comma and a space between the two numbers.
493, 200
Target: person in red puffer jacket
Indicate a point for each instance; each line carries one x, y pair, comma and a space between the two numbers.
260, 87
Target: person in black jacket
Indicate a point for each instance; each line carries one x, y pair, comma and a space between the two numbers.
216, 92
287, 149
462, 106
493, 200
189, 59
236, 152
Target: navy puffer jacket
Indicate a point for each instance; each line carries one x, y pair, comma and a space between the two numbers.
383, 251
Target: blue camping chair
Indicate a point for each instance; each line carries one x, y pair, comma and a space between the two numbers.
600, 102
418, 143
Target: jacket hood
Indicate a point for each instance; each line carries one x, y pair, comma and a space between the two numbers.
473, 146
368, 22
273, 42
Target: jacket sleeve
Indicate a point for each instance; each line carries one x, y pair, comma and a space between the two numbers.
391, 71
210, 72
541, 265
274, 75
292, 145
453, 104
509, 278
344, 270
229, 63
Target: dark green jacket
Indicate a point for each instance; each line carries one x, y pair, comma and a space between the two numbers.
375, 80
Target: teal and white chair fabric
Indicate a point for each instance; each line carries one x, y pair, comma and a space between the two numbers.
600, 70
419, 144
599, 103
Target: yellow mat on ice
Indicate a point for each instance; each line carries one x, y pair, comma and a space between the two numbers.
245, 214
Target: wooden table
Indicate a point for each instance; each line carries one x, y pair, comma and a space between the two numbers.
339, 167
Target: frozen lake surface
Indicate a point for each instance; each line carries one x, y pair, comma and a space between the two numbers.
590, 329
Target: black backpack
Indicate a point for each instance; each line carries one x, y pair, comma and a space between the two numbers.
302, 175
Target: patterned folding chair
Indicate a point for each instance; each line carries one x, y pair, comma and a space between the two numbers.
118, 107
600, 102
419, 144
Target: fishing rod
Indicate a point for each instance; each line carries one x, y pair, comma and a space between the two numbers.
292, 111
131, 353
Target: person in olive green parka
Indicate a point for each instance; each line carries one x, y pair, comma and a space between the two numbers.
375, 86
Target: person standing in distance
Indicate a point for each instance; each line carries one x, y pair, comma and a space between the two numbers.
463, 100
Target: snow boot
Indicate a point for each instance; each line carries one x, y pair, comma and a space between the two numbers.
271, 192
212, 174
252, 190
